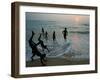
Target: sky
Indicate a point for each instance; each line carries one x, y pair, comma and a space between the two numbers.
60, 18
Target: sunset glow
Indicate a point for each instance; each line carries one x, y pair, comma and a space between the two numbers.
69, 19
77, 19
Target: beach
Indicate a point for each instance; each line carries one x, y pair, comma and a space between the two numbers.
56, 62
74, 50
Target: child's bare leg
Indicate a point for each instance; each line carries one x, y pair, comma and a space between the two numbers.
32, 57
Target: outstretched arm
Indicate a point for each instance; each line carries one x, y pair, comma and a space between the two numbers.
37, 43
30, 40
31, 43
39, 38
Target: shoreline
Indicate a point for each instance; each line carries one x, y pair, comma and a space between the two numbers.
56, 62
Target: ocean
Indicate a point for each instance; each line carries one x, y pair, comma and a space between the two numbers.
78, 38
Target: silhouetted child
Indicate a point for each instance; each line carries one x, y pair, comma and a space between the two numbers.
42, 43
35, 50
43, 32
46, 35
54, 36
65, 33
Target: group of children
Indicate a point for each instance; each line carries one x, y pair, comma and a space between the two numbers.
34, 45
45, 34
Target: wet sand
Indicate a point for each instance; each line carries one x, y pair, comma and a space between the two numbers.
56, 62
